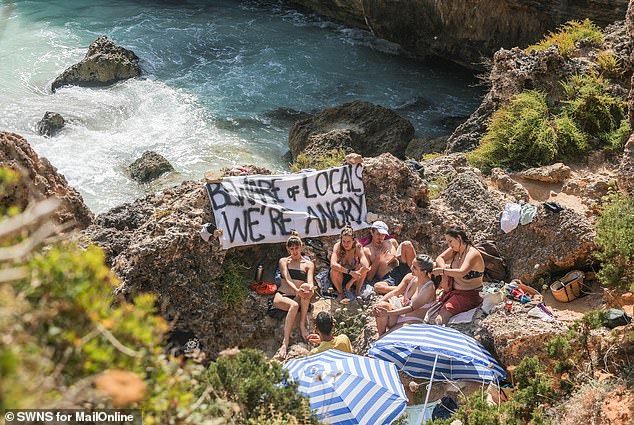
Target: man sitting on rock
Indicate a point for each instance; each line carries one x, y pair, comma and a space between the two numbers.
389, 261
323, 336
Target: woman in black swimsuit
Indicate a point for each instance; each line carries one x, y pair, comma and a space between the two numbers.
295, 290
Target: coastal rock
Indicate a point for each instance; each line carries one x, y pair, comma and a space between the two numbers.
104, 64
504, 183
552, 242
286, 115
555, 173
513, 337
625, 174
150, 166
417, 148
40, 180
590, 187
511, 72
360, 127
462, 34
50, 124
445, 167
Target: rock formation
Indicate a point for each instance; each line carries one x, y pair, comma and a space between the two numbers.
150, 166
358, 126
459, 32
104, 64
626, 168
50, 124
39, 180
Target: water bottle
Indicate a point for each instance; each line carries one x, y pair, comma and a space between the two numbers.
258, 273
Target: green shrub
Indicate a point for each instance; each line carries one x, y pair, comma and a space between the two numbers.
590, 106
608, 63
568, 35
615, 228
520, 134
233, 286
534, 391
249, 379
436, 186
616, 139
334, 158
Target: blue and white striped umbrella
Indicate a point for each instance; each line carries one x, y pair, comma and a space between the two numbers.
347, 389
419, 349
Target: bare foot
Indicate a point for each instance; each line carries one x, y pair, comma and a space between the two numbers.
339, 298
438, 320
305, 333
345, 301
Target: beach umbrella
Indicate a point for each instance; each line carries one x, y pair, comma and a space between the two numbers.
344, 388
437, 353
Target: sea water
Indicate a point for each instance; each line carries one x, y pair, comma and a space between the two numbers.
213, 74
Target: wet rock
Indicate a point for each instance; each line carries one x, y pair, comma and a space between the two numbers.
286, 115
555, 173
40, 180
50, 124
625, 174
149, 167
105, 63
503, 182
360, 127
417, 148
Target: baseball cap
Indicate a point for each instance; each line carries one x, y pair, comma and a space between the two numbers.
380, 227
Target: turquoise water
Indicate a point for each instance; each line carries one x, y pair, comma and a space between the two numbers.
213, 72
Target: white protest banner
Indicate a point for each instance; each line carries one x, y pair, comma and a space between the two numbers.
265, 209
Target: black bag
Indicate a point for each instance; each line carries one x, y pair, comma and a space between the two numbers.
495, 267
444, 409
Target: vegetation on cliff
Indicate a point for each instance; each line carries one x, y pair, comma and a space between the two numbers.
528, 132
536, 128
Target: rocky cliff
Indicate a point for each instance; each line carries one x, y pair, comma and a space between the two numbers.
463, 31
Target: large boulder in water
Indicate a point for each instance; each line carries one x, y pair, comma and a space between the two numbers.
50, 124
39, 180
104, 64
150, 166
360, 127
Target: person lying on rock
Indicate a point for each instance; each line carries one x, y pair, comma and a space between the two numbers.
410, 300
323, 335
348, 265
389, 261
462, 268
295, 290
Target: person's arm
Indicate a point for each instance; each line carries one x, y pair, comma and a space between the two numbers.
363, 260
310, 275
334, 260
420, 299
400, 289
444, 259
284, 274
469, 263
374, 264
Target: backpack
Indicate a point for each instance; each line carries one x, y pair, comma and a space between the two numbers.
495, 267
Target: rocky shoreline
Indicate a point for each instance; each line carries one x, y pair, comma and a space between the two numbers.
153, 245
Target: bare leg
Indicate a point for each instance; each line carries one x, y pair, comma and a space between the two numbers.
381, 321
304, 303
337, 281
408, 253
382, 288
285, 303
350, 284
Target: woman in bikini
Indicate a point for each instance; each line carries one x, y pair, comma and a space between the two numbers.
410, 300
462, 268
295, 290
348, 264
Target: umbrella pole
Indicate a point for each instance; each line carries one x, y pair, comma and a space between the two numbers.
431, 381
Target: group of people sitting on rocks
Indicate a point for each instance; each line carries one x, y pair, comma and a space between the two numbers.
407, 282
